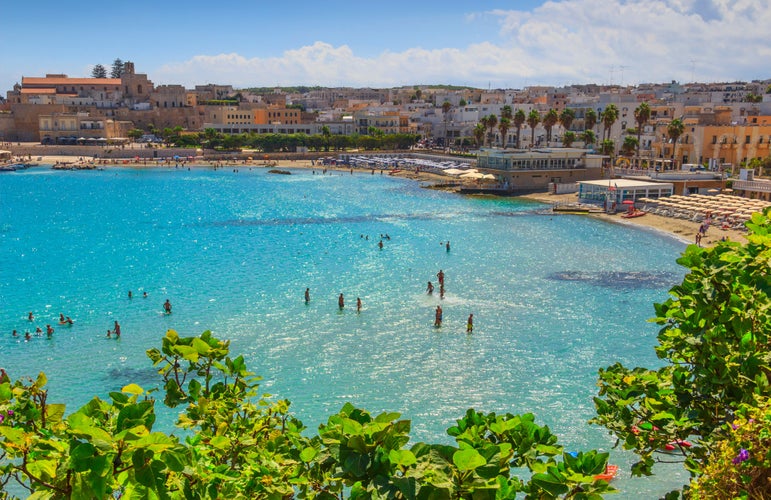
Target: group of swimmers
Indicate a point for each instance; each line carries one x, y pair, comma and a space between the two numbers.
438, 313
340, 300
63, 320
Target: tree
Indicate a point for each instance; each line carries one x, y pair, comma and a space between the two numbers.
117, 69
629, 145
608, 147
325, 132
609, 116
674, 130
462, 102
566, 118
484, 121
713, 343
519, 120
479, 134
506, 112
241, 443
98, 72
135, 134
446, 107
588, 137
590, 119
550, 119
642, 114
568, 138
503, 128
492, 122
533, 118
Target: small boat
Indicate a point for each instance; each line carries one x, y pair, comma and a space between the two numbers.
633, 214
609, 474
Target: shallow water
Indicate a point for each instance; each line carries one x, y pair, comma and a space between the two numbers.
554, 297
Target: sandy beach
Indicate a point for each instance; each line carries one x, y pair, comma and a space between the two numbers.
679, 228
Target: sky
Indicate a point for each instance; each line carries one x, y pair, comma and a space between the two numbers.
485, 44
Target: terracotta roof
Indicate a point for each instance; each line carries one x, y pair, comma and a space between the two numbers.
38, 91
46, 81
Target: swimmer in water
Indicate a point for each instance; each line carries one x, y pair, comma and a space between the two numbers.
438, 317
430, 288
307, 295
117, 330
31, 316
341, 302
61, 318
130, 295
49, 330
167, 306
358, 304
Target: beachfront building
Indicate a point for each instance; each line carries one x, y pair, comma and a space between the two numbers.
517, 170
616, 191
81, 128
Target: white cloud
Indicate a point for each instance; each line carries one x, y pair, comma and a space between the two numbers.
560, 42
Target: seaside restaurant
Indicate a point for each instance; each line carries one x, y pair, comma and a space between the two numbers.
618, 190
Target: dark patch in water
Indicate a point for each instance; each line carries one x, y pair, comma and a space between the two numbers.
147, 378
619, 279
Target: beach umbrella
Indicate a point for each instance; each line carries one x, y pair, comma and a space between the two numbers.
713, 190
628, 202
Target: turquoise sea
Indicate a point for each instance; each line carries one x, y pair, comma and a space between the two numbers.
554, 297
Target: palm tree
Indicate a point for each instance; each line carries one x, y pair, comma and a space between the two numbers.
506, 112
519, 120
532, 121
590, 119
674, 130
566, 118
609, 117
642, 114
503, 128
485, 122
446, 106
492, 122
479, 133
588, 137
568, 137
629, 146
549, 121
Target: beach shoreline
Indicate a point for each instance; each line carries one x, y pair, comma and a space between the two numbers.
680, 229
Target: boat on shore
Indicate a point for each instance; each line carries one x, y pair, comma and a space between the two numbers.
633, 213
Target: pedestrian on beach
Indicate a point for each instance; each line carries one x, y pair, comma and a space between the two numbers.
341, 302
698, 238
307, 295
470, 323
438, 317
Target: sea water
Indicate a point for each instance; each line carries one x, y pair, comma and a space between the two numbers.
554, 297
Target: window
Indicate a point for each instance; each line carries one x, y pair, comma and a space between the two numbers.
714, 139
746, 139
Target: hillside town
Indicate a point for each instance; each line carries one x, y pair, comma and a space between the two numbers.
567, 134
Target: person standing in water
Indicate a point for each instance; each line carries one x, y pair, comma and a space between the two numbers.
430, 288
167, 306
358, 304
341, 302
447, 245
470, 323
307, 295
117, 330
440, 277
438, 317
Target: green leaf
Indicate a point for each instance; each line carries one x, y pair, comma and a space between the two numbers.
133, 389
403, 458
308, 454
468, 459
